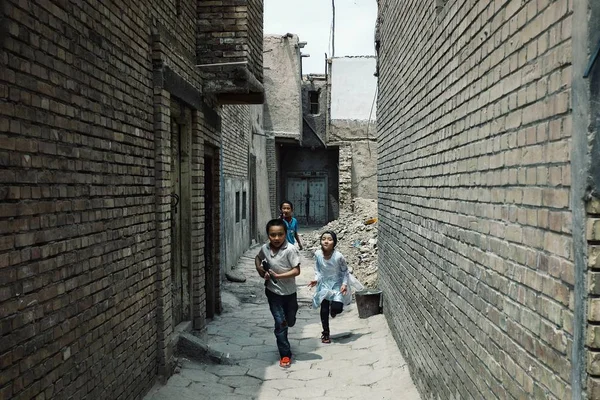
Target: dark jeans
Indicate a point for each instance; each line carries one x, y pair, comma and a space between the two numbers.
284, 310
336, 308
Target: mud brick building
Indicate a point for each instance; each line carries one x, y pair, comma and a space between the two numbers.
489, 196
352, 125
322, 130
114, 121
304, 171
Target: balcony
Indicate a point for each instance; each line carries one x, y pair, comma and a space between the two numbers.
229, 50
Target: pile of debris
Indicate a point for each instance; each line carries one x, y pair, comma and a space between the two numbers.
357, 240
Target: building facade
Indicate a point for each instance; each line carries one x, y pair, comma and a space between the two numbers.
352, 125
488, 202
112, 175
323, 128
304, 170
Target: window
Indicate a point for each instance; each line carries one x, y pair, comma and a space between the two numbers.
237, 206
314, 101
244, 200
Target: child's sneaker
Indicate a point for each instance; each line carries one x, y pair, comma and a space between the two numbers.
285, 362
325, 338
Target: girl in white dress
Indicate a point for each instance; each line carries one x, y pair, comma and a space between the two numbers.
332, 280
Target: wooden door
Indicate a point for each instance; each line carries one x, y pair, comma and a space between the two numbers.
317, 199
296, 191
309, 196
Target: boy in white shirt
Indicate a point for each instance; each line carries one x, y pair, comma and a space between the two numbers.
278, 262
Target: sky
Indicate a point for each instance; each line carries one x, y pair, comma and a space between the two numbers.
311, 21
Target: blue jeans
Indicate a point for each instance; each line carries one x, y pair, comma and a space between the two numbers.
284, 310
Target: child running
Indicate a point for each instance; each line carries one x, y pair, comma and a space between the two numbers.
278, 263
332, 280
291, 223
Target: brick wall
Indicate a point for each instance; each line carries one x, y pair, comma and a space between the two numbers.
272, 175
255, 37
476, 257
84, 206
230, 31
223, 32
237, 129
593, 316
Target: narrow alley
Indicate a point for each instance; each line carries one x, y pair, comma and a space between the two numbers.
362, 362
452, 145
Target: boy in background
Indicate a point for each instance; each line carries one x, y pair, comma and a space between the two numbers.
291, 223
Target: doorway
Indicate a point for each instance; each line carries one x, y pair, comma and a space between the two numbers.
309, 196
180, 213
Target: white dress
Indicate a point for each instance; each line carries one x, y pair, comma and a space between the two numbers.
330, 276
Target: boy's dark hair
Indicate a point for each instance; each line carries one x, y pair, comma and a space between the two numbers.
276, 222
286, 202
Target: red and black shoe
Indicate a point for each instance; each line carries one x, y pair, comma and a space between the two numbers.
285, 362
325, 337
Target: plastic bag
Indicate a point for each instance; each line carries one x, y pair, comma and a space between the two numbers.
355, 284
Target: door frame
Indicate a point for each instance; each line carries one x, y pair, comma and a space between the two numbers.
181, 115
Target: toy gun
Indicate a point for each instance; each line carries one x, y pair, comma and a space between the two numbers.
267, 267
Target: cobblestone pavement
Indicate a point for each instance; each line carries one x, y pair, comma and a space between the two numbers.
362, 362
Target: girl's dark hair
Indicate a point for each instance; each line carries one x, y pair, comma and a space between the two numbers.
333, 236
276, 222
286, 202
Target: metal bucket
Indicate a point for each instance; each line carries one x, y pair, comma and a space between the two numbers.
368, 302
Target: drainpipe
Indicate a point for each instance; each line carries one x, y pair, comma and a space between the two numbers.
586, 21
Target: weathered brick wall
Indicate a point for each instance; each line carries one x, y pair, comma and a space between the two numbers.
237, 129
255, 37
78, 201
272, 175
593, 330
476, 262
231, 31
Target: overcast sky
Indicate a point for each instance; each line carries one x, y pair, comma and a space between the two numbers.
311, 21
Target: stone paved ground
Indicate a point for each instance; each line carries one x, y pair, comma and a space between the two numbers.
363, 362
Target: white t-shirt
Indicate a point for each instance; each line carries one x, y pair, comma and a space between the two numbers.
283, 260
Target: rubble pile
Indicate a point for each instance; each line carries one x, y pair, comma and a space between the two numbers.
357, 240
